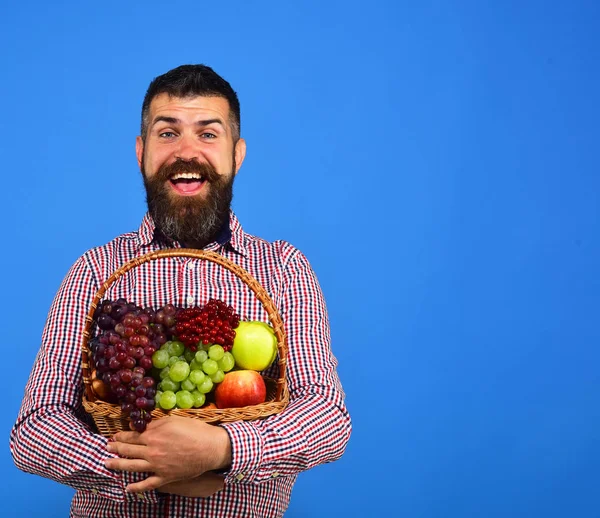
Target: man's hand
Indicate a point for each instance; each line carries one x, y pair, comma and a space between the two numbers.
205, 485
172, 448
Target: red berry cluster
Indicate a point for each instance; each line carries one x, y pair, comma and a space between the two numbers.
214, 323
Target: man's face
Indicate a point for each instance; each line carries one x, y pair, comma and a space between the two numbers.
188, 161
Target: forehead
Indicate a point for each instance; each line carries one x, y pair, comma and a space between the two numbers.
189, 106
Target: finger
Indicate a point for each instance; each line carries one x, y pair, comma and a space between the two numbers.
128, 437
123, 449
203, 486
136, 465
152, 482
157, 422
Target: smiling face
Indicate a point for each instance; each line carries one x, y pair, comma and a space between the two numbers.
188, 159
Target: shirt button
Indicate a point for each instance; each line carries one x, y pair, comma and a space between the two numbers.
275, 475
239, 477
190, 300
95, 491
140, 496
190, 266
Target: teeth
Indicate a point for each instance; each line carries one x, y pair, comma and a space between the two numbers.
186, 176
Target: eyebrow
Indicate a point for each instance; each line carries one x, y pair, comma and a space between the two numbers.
174, 120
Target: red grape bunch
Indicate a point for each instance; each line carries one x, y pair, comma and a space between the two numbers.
122, 354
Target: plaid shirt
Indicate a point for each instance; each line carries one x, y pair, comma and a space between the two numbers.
54, 437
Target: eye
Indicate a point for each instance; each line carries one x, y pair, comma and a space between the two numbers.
208, 135
166, 134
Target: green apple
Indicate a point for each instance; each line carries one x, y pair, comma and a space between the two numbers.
254, 346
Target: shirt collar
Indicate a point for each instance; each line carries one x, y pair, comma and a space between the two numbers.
230, 236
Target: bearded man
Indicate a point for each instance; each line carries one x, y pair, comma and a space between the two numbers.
189, 153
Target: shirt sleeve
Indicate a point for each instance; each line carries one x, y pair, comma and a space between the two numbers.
53, 436
316, 426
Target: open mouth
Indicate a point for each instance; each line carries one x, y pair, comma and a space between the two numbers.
187, 184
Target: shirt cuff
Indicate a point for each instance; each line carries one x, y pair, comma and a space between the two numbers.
246, 452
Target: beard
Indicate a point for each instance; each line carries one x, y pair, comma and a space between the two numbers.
192, 221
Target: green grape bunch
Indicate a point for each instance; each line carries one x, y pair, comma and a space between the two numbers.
187, 377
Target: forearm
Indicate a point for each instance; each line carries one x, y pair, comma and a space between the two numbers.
313, 430
51, 437
51, 442
316, 426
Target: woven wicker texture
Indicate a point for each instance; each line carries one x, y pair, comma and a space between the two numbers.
107, 416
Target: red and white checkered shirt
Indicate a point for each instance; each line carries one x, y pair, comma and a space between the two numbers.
53, 436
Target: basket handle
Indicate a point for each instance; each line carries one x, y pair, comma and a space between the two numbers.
253, 284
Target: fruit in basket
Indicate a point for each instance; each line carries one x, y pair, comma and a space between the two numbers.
212, 324
199, 398
227, 362
102, 389
168, 400
241, 388
190, 376
206, 385
160, 359
122, 354
179, 371
184, 399
167, 358
254, 345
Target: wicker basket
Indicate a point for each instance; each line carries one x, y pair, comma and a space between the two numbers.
107, 416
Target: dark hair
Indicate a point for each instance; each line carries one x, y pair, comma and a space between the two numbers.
191, 81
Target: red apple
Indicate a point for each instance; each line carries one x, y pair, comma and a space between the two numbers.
240, 388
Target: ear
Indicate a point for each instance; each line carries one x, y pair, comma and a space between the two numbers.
139, 150
240, 154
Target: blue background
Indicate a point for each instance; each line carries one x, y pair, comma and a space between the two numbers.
438, 164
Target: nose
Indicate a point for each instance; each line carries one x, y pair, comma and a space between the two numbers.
186, 149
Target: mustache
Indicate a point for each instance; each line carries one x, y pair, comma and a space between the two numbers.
204, 169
